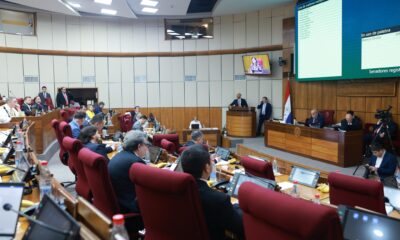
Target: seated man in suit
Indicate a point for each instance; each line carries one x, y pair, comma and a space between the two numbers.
9, 110
136, 114
98, 122
134, 150
91, 139
197, 138
265, 113
220, 214
316, 120
140, 124
239, 101
77, 123
350, 123
382, 163
38, 106
26, 107
98, 108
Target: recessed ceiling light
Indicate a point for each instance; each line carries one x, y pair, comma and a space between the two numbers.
188, 34
106, 2
180, 37
75, 5
170, 31
150, 3
149, 10
173, 34
207, 36
108, 11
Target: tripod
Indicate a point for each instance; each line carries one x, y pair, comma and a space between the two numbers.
384, 129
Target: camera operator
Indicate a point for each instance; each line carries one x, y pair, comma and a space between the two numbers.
382, 163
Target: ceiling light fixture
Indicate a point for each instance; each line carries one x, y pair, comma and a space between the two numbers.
106, 2
149, 3
108, 11
180, 37
69, 7
75, 5
149, 10
188, 34
170, 31
173, 34
207, 36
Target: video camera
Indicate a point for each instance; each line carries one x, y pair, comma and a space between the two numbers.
384, 115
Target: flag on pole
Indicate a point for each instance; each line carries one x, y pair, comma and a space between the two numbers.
287, 115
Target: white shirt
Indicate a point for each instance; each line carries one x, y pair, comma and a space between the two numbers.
379, 160
194, 122
264, 106
6, 113
239, 102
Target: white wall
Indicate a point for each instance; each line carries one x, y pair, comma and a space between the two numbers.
147, 81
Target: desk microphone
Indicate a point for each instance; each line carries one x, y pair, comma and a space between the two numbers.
8, 207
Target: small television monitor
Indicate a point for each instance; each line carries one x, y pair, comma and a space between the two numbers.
256, 65
240, 178
10, 194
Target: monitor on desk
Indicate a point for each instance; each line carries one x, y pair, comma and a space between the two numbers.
195, 126
365, 225
51, 214
223, 153
304, 176
240, 178
5, 138
10, 193
393, 195
23, 168
155, 153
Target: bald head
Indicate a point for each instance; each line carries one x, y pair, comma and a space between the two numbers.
314, 113
238, 95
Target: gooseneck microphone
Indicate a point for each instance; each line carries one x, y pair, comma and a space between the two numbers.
8, 207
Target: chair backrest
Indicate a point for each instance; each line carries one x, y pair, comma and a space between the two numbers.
65, 115
59, 136
168, 146
49, 103
355, 191
154, 186
96, 171
125, 122
328, 116
280, 216
20, 101
170, 137
65, 129
73, 146
258, 168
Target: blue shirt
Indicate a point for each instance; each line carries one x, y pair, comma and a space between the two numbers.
75, 128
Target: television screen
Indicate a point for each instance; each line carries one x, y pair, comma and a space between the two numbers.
256, 64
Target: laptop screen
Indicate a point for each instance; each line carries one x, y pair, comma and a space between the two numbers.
10, 193
223, 153
155, 153
393, 194
18, 175
304, 176
195, 126
240, 178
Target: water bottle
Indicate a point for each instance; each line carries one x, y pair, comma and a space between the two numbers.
19, 151
275, 166
213, 175
20, 138
118, 231
317, 199
24, 124
295, 191
45, 180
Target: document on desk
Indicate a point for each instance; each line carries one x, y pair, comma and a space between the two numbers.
285, 185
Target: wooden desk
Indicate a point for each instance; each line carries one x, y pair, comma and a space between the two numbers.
241, 123
212, 135
340, 148
43, 134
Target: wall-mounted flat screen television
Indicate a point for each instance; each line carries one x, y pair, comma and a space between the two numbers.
256, 65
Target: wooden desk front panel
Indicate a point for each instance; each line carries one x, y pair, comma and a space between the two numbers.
241, 124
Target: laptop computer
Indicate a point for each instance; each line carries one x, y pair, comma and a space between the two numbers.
240, 178
223, 153
393, 194
48, 212
304, 176
155, 153
195, 126
10, 193
18, 175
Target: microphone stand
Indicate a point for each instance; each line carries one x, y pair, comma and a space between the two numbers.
8, 207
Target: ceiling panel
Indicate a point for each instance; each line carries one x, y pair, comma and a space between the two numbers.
226, 7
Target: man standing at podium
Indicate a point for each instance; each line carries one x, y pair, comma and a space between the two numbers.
265, 113
239, 101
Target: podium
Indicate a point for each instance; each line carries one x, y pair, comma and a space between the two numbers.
241, 122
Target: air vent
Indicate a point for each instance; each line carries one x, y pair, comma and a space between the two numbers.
31, 79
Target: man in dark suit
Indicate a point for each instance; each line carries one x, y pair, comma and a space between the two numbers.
135, 148
91, 139
44, 95
220, 214
197, 138
27, 107
382, 163
265, 113
316, 120
350, 123
239, 101
63, 99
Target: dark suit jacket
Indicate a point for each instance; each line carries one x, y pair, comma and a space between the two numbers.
101, 149
392, 128
268, 111
118, 169
243, 102
42, 97
25, 108
61, 100
355, 125
387, 167
38, 107
189, 143
320, 121
219, 212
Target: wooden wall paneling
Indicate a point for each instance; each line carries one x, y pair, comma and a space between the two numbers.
203, 114
362, 116
373, 103
301, 114
357, 104
216, 117
339, 115
370, 118
189, 113
286, 55
343, 103
155, 111
288, 33
392, 101
329, 95
300, 94
314, 95
178, 120
371, 88
166, 117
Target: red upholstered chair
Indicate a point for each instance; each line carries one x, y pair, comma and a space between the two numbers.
59, 136
20, 101
49, 103
168, 146
96, 171
154, 186
182, 149
125, 122
170, 137
279, 216
328, 116
258, 168
73, 146
354, 191
65, 115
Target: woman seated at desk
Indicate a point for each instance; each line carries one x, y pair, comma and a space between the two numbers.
90, 139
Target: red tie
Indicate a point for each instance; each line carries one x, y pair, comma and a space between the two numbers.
66, 99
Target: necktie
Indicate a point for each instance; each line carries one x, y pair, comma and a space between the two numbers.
66, 99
